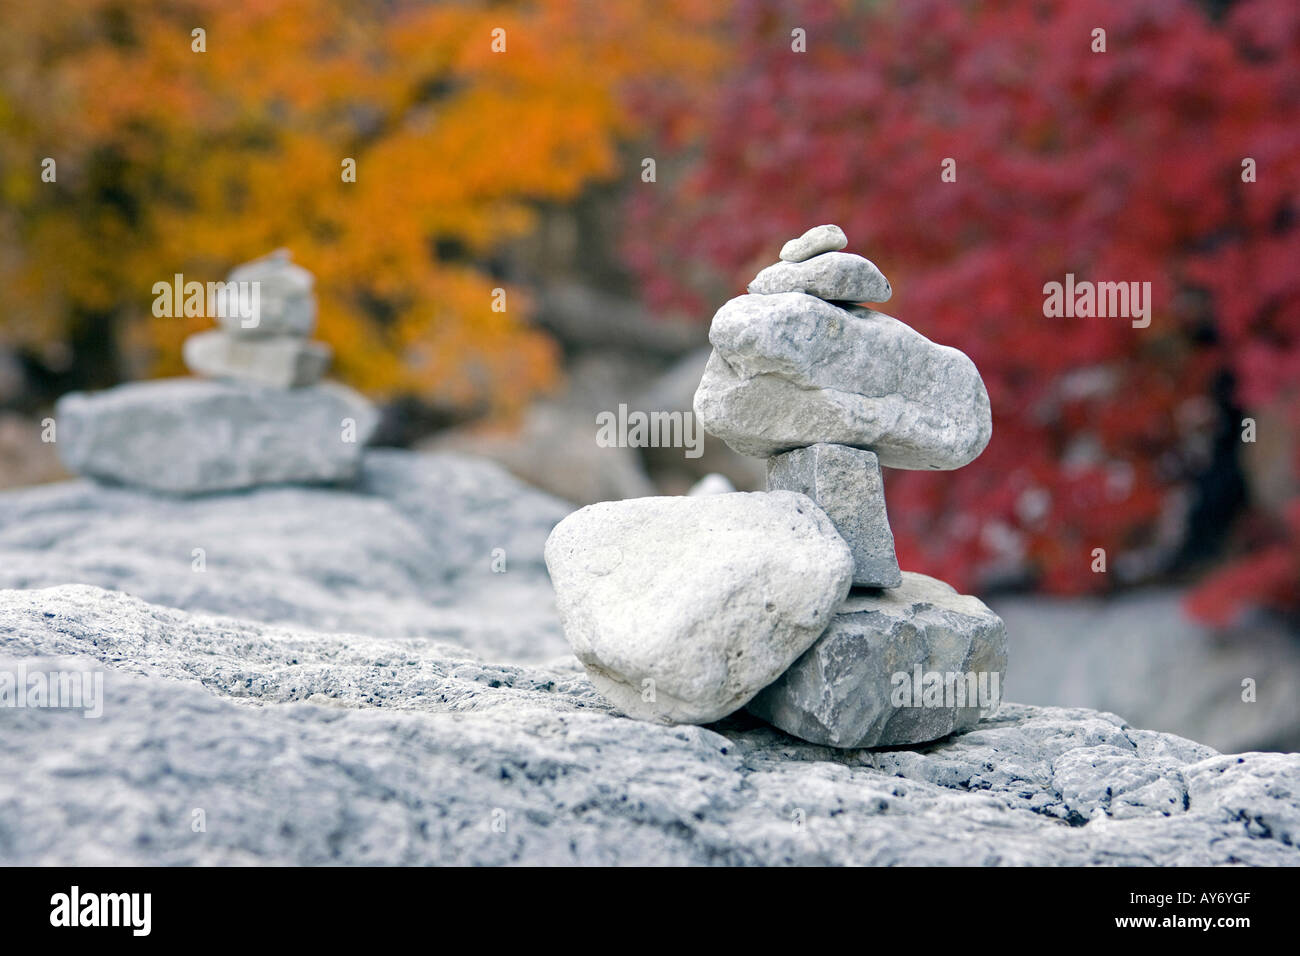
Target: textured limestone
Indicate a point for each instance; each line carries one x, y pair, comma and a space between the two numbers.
683, 608
791, 370
306, 748
845, 483
838, 276
189, 436
869, 680
282, 361
814, 242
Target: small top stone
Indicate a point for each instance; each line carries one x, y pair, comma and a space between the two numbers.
814, 242
286, 305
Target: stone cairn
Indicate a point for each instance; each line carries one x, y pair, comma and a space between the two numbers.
274, 347
790, 602
260, 414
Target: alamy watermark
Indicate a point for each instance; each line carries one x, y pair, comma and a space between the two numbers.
922, 688
637, 429
54, 689
1102, 300
130, 910
214, 300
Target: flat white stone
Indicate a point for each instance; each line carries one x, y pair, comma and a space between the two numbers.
284, 361
836, 276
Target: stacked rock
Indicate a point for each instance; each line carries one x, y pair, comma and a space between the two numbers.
262, 417
271, 347
791, 601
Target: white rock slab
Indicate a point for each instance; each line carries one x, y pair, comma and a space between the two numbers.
283, 361
190, 436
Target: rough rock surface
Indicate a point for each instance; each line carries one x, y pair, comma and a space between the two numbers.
280, 361
410, 550
790, 370
841, 692
683, 608
188, 436
845, 483
814, 242
837, 276
394, 741
304, 748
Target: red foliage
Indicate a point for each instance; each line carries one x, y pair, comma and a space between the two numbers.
1117, 166
1267, 575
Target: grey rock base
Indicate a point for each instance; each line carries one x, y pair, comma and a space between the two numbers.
307, 748
845, 483
190, 436
896, 667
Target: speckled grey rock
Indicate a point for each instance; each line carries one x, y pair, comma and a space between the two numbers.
895, 667
682, 608
281, 361
845, 483
838, 276
287, 305
435, 545
302, 748
814, 242
791, 370
190, 436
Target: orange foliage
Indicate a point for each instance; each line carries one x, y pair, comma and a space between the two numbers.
171, 160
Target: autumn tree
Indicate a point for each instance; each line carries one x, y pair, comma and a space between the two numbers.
979, 150
392, 146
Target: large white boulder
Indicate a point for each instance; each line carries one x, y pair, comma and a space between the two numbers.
683, 608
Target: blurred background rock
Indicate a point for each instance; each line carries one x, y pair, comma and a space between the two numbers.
525, 171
